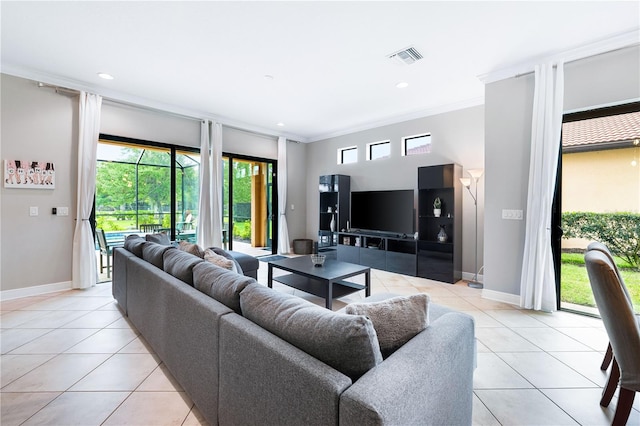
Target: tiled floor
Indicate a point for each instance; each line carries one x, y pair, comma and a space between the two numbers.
71, 358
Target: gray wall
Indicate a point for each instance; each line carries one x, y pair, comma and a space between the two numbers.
39, 124
608, 78
457, 137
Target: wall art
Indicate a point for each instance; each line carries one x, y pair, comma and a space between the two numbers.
29, 174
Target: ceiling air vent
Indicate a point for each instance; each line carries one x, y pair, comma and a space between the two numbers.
406, 56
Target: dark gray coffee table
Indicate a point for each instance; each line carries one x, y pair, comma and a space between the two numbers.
326, 281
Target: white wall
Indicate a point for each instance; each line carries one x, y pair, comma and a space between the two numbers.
457, 137
39, 124
608, 78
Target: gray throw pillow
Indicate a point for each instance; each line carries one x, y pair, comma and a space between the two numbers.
160, 238
221, 284
396, 320
180, 264
347, 343
134, 244
154, 253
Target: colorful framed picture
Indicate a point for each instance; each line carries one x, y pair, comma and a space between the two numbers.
29, 174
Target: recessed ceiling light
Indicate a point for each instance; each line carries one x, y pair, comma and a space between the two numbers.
105, 76
402, 85
281, 124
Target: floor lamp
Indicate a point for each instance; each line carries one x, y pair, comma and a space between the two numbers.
466, 182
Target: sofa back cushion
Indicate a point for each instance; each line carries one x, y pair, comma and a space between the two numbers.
221, 284
154, 253
159, 237
134, 244
180, 264
347, 343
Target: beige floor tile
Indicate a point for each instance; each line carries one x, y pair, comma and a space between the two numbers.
137, 346
504, 340
94, 319
523, 407
56, 341
594, 338
78, 408
15, 408
560, 319
15, 304
584, 406
482, 319
456, 303
87, 303
111, 306
514, 318
14, 319
15, 338
121, 323
160, 379
480, 347
15, 366
121, 372
57, 374
104, 341
493, 373
152, 408
52, 319
545, 371
486, 304
481, 414
585, 363
548, 339
50, 304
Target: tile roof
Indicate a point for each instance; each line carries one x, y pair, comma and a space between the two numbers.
614, 128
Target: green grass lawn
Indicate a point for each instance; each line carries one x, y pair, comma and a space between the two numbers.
575, 282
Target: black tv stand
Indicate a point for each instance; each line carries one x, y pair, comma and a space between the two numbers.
391, 252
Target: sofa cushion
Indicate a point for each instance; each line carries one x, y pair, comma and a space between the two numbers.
226, 254
396, 320
134, 244
221, 284
347, 343
219, 260
154, 253
159, 237
192, 248
180, 264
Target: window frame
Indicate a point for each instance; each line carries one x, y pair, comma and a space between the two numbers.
341, 152
403, 146
370, 145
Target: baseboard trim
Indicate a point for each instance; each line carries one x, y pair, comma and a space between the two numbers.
35, 290
468, 276
512, 299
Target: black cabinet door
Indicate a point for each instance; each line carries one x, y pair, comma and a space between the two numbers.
436, 177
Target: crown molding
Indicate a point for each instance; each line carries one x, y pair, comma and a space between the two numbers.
617, 42
401, 118
140, 103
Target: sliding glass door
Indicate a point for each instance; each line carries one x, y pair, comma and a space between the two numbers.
249, 204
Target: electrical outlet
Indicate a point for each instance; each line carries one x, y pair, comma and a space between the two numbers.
33, 211
63, 211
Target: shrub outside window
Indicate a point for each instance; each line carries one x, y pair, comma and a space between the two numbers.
348, 155
417, 144
378, 150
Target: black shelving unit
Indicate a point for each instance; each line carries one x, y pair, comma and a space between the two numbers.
335, 203
380, 251
440, 260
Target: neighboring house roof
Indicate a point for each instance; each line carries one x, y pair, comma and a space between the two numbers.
614, 131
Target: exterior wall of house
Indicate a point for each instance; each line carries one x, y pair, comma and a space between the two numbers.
39, 124
456, 137
608, 78
600, 182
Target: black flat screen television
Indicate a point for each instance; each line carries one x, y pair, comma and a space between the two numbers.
383, 211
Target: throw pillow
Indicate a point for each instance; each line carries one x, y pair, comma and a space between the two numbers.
347, 343
134, 244
160, 238
221, 261
396, 320
191, 248
224, 253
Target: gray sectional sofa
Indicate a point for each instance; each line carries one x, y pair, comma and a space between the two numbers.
250, 355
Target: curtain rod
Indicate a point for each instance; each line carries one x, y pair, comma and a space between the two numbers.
583, 57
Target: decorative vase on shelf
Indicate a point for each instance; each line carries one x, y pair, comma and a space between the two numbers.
332, 224
442, 236
437, 207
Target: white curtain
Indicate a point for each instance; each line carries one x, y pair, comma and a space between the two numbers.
283, 230
538, 288
84, 270
210, 202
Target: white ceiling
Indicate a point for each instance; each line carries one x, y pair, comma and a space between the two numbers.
328, 59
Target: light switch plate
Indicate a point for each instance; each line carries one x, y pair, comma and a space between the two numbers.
512, 214
63, 211
33, 211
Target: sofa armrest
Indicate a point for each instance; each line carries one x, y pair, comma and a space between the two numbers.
429, 380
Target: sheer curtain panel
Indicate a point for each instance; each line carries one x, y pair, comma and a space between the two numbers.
538, 287
283, 230
216, 184
84, 271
